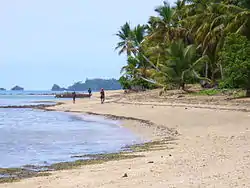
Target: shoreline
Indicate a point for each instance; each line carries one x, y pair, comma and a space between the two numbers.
11, 175
210, 149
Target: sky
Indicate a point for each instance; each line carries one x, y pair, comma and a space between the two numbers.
43, 42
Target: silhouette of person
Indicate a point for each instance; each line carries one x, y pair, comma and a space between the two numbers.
74, 97
102, 96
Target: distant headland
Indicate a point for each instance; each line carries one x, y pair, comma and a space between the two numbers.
17, 88
94, 84
56, 87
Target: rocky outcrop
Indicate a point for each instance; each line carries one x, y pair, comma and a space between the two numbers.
56, 87
17, 88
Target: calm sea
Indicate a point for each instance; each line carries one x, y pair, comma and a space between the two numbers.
34, 137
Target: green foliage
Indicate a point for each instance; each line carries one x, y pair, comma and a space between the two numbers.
235, 58
180, 62
188, 43
125, 82
128, 83
209, 92
234, 93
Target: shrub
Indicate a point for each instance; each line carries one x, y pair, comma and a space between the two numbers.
235, 58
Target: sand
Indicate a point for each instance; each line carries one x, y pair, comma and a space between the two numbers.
212, 147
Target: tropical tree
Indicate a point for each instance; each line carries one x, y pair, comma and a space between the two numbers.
235, 56
182, 64
126, 40
184, 42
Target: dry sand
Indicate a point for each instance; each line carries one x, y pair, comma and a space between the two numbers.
212, 150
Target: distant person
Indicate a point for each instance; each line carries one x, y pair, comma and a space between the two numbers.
74, 97
102, 95
90, 92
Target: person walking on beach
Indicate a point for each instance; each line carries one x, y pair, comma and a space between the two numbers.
90, 92
102, 96
74, 97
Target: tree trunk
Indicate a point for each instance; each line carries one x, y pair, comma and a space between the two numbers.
182, 86
206, 70
221, 71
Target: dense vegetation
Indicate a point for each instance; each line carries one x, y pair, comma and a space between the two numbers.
94, 84
204, 41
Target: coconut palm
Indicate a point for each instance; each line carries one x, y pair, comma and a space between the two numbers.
183, 41
210, 22
126, 40
182, 63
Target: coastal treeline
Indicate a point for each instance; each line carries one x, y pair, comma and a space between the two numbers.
95, 85
195, 41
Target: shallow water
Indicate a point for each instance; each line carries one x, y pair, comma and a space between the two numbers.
34, 137
9, 98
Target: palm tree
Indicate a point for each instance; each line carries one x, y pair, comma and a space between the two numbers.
130, 70
209, 22
126, 40
131, 39
182, 63
160, 27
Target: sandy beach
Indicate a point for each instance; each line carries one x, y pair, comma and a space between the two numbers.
211, 146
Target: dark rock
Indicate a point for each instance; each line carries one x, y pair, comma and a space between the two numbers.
17, 88
151, 162
180, 96
170, 155
125, 175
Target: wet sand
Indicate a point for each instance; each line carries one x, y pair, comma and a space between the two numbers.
211, 150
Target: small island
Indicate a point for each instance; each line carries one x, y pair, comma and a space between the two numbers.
56, 87
17, 88
2, 89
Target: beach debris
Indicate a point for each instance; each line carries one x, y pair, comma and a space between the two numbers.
170, 155
151, 162
125, 175
186, 108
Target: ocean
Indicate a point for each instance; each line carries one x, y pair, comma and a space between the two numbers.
36, 137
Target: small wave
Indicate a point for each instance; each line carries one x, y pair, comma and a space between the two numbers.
28, 106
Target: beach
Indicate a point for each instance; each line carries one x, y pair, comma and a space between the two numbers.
209, 148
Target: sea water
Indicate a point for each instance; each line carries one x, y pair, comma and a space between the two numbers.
37, 137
